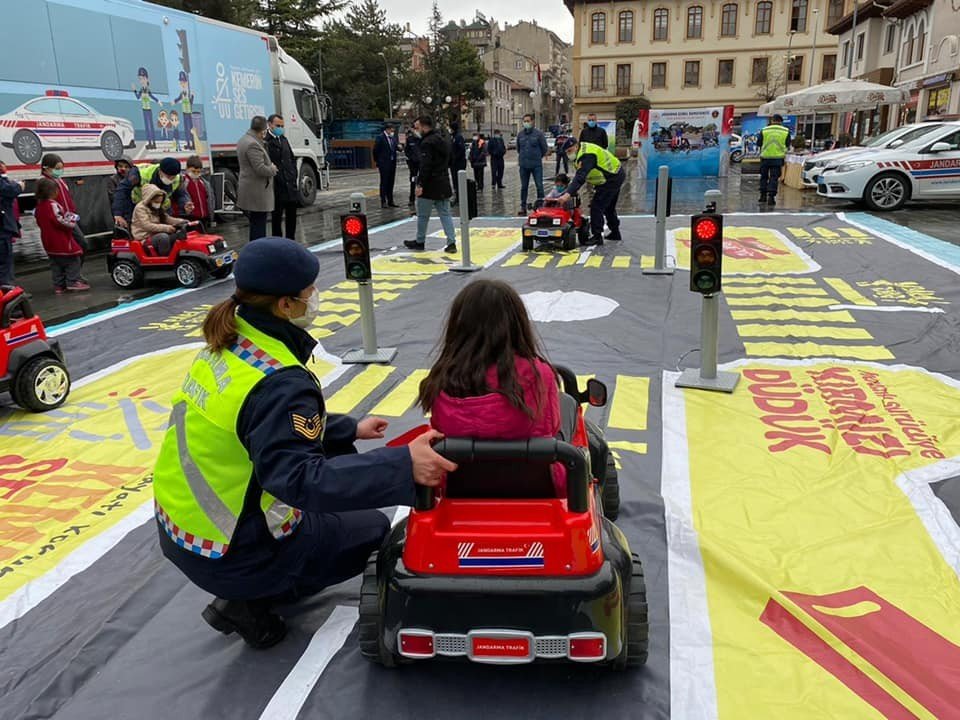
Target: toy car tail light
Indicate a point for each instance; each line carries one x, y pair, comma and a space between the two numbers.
587, 647
416, 643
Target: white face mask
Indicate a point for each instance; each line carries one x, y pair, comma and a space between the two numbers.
310, 314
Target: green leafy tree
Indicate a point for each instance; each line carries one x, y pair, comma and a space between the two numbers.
237, 12
451, 69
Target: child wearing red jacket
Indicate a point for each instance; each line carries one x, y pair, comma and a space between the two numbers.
56, 233
491, 381
199, 191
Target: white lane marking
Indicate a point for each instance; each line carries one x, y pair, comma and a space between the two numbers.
887, 308
293, 692
582, 260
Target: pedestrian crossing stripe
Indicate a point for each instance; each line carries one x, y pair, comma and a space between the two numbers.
805, 302
816, 350
541, 261
635, 447
832, 316
353, 393
825, 232
568, 259
339, 307
594, 261
629, 408
621, 261
517, 259
762, 279
848, 293
775, 290
803, 331
544, 260
380, 285
350, 295
853, 232
799, 232
347, 319
402, 397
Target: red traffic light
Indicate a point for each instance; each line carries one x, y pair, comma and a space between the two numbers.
353, 226
706, 228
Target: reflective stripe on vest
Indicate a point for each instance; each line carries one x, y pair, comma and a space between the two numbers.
606, 161
774, 142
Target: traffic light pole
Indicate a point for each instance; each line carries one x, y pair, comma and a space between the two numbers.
465, 264
660, 235
368, 323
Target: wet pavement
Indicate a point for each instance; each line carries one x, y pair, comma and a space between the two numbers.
321, 223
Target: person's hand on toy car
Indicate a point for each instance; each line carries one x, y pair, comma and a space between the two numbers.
563, 199
371, 428
429, 468
119, 221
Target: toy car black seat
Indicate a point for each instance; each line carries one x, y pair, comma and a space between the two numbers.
14, 305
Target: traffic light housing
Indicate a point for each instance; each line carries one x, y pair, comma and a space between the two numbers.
356, 246
706, 253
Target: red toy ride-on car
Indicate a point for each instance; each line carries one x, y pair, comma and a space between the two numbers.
552, 225
193, 255
494, 567
31, 363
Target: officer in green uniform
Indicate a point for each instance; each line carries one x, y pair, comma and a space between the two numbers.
602, 169
260, 496
774, 141
165, 174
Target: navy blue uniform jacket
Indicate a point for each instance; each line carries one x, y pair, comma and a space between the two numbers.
123, 203
300, 472
385, 151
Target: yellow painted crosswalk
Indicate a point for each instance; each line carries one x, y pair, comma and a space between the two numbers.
354, 392
810, 350
576, 259
847, 292
774, 290
779, 280
803, 331
402, 397
841, 316
805, 302
629, 408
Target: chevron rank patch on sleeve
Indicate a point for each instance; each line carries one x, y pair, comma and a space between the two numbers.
308, 427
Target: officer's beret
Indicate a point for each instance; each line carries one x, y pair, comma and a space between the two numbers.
275, 266
170, 166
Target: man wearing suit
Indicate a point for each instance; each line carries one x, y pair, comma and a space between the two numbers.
385, 155
497, 150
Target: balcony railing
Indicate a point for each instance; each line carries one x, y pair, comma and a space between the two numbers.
610, 90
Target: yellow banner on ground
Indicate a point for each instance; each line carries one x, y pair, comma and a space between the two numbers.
828, 590
749, 250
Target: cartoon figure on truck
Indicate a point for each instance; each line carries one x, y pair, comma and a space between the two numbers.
83, 105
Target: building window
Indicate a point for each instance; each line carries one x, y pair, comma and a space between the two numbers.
728, 21
860, 39
907, 55
758, 74
658, 75
829, 69
921, 40
623, 79
937, 102
795, 69
798, 20
890, 39
846, 52
661, 23
834, 12
625, 27
598, 77
691, 73
598, 28
764, 17
725, 72
695, 22
519, 65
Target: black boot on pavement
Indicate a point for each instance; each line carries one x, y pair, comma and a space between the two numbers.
763, 198
414, 245
613, 235
450, 248
250, 619
594, 240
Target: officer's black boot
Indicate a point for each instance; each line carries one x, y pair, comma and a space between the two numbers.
250, 619
594, 240
763, 198
613, 235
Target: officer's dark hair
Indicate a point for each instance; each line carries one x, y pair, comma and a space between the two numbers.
220, 325
50, 161
425, 121
777, 118
258, 123
488, 326
274, 117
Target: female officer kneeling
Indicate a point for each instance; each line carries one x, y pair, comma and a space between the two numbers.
261, 497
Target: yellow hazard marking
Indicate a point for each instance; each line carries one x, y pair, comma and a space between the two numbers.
339, 307
353, 393
380, 285
867, 607
809, 349
847, 292
803, 331
798, 232
808, 315
541, 260
775, 290
621, 262
347, 319
594, 261
853, 232
761, 279
806, 302
825, 232
518, 259
348, 295
568, 259
629, 411
647, 261
635, 447
404, 395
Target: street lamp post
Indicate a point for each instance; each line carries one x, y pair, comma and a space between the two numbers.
786, 73
813, 53
389, 90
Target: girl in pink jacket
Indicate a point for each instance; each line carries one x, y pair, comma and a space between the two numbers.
490, 380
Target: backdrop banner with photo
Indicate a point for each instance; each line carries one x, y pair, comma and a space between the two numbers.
752, 124
692, 142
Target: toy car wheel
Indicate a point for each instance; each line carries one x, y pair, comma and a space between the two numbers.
370, 627
189, 273
111, 146
527, 243
221, 273
42, 384
127, 274
583, 232
634, 654
611, 490
570, 238
887, 191
27, 147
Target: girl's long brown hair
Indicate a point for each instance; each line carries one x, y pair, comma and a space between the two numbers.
220, 325
488, 326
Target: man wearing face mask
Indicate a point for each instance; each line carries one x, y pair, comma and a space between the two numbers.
593, 133
286, 189
531, 149
600, 169
260, 496
255, 184
166, 175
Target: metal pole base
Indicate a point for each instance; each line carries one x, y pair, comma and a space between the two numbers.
723, 382
658, 271
358, 357
466, 268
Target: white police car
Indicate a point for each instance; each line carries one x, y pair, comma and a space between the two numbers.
889, 140
927, 168
59, 122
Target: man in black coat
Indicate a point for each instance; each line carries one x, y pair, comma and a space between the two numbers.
286, 188
385, 155
497, 149
593, 133
9, 227
433, 185
458, 158
411, 150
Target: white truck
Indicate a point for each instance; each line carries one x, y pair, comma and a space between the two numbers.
96, 80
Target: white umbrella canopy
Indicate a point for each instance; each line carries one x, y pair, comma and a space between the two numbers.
841, 95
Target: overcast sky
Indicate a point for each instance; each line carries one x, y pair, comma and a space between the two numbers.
552, 14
